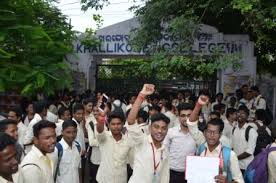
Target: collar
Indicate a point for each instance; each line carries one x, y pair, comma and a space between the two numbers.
37, 152
64, 144
37, 116
76, 121
60, 121
151, 141
216, 150
244, 126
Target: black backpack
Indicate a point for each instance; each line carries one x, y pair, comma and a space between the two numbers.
118, 109
263, 138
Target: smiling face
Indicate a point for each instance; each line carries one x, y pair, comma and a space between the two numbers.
183, 117
8, 162
46, 140
158, 130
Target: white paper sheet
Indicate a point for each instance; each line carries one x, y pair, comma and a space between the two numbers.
201, 169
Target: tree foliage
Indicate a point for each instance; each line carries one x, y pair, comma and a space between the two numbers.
34, 38
182, 18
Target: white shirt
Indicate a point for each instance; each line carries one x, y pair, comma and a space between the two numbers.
272, 165
240, 145
143, 169
29, 133
69, 164
42, 173
93, 142
228, 128
59, 127
114, 156
259, 102
17, 177
179, 146
234, 164
80, 135
51, 117
173, 119
22, 129
144, 128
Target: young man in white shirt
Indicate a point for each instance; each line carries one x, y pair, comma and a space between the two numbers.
9, 171
37, 165
230, 122
40, 110
180, 144
78, 117
151, 161
9, 127
242, 146
67, 156
259, 101
63, 115
212, 147
16, 114
115, 148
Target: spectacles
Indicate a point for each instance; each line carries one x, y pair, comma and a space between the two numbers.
210, 132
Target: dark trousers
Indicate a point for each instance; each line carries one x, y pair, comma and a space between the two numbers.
93, 172
177, 177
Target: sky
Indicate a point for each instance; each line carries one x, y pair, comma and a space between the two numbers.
115, 12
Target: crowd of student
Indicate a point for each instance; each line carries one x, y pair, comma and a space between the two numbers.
144, 140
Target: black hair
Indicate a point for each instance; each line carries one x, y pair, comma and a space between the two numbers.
260, 114
215, 113
154, 96
255, 88
69, 123
155, 107
216, 122
88, 100
62, 110
77, 107
185, 106
118, 115
244, 108
42, 124
39, 106
230, 111
218, 107
143, 114
6, 140
219, 94
244, 85
168, 105
17, 110
4, 124
160, 117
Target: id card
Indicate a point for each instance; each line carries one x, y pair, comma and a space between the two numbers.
156, 177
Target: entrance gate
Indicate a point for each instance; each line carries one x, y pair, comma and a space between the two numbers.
124, 79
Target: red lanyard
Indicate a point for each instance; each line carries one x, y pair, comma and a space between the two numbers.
155, 166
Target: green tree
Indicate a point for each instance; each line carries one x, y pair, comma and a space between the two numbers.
34, 39
182, 18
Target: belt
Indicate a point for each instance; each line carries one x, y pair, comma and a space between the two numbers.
176, 172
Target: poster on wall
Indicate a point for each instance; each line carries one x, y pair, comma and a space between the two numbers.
233, 82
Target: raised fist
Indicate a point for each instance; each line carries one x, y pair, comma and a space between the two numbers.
203, 99
148, 89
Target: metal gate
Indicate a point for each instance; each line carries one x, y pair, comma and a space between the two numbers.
124, 79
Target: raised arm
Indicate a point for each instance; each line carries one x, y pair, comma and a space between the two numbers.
202, 100
148, 89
